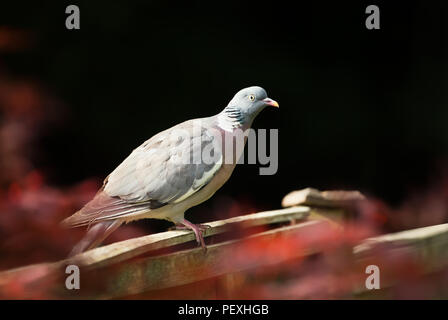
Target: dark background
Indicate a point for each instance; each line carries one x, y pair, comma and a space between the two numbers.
359, 109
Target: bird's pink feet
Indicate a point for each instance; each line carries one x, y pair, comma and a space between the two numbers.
198, 230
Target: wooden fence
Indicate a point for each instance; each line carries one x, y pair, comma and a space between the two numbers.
169, 265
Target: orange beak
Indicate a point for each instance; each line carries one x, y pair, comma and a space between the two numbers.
271, 102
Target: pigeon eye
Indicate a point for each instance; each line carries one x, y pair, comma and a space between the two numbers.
251, 97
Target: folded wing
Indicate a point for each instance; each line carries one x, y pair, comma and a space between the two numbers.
168, 168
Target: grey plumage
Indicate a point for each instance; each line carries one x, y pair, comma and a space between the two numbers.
160, 179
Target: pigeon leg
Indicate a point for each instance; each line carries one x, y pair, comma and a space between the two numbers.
198, 231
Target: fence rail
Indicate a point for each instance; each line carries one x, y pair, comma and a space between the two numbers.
158, 261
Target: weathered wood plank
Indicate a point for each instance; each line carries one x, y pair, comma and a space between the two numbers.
315, 198
426, 235
430, 244
127, 249
188, 266
123, 250
120, 275
428, 247
169, 270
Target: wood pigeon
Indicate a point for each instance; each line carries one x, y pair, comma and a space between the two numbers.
171, 172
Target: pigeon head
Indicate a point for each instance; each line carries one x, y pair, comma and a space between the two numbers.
252, 100
245, 106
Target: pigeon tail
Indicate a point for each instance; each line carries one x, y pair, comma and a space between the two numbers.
95, 236
106, 208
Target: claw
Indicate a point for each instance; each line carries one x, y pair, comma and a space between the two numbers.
197, 229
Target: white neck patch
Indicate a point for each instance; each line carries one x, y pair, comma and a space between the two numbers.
228, 121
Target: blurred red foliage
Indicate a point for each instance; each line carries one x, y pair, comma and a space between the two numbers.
30, 208
12, 40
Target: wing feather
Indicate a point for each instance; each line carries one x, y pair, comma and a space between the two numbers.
159, 172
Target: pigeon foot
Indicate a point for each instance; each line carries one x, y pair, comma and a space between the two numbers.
198, 230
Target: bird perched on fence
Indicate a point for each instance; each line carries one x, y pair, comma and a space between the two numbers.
171, 172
